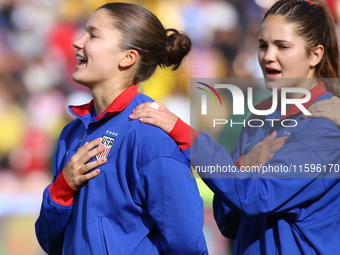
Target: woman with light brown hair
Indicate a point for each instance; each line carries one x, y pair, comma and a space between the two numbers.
121, 186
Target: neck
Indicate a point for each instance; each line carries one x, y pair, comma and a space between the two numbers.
308, 84
104, 96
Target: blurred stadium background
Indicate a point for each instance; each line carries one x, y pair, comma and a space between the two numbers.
36, 63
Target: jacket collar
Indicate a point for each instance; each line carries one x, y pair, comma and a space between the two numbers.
315, 93
118, 105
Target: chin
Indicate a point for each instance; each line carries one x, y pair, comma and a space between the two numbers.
274, 83
74, 77
79, 81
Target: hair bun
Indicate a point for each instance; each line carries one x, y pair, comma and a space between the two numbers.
177, 47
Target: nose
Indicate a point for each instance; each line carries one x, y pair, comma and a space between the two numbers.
269, 54
79, 43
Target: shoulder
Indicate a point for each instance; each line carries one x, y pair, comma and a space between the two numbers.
319, 134
324, 97
322, 124
155, 143
317, 127
141, 98
321, 127
152, 141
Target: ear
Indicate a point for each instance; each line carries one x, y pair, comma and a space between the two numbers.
129, 57
316, 55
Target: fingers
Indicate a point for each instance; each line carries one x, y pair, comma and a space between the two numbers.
89, 176
327, 115
144, 109
143, 112
77, 169
151, 121
263, 151
86, 147
277, 141
90, 154
269, 146
328, 106
81, 179
271, 137
153, 117
146, 113
90, 145
268, 141
160, 117
92, 165
329, 109
161, 106
277, 144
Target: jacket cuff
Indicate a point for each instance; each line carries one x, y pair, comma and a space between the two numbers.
238, 162
183, 134
61, 192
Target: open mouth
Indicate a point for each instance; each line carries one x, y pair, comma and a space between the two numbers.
81, 60
271, 73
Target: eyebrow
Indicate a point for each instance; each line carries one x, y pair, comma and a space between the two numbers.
91, 29
275, 41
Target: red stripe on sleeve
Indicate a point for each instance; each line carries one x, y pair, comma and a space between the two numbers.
61, 192
183, 134
238, 162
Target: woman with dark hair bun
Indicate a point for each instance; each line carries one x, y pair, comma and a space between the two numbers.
121, 186
295, 210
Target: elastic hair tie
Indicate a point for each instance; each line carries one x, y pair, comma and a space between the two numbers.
310, 2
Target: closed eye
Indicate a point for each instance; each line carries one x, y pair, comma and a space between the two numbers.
283, 47
262, 44
93, 32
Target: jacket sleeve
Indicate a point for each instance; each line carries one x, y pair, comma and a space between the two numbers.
223, 214
183, 134
175, 206
227, 220
257, 193
56, 207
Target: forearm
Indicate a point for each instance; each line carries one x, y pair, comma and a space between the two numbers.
54, 215
253, 193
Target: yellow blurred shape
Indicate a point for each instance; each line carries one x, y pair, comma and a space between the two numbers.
12, 128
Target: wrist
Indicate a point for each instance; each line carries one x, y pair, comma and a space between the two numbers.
61, 191
240, 162
183, 134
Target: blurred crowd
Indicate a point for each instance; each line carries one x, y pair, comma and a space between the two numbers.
37, 60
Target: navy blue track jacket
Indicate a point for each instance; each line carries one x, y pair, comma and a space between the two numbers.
142, 202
